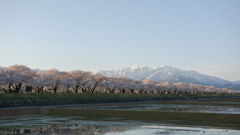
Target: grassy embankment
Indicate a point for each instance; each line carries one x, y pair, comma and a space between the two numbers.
38, 96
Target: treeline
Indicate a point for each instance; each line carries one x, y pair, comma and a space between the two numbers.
20, 78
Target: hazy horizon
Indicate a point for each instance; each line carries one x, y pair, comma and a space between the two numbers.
201, 35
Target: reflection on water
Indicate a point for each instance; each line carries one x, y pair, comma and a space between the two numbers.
173, 130
74, 125
60, 129
64, 125
169, 107
71, 125
41, 124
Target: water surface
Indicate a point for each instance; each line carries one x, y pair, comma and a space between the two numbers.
39, 124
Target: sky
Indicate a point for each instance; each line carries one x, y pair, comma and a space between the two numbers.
93, 35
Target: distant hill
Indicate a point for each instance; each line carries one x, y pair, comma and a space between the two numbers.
35, 70
165, 74
3, 68
236, 82
231, 86
38, 70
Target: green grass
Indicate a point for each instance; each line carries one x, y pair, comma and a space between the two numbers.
37, 96
180, 118
32, 96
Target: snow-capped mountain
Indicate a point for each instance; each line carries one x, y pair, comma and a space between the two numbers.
164, 74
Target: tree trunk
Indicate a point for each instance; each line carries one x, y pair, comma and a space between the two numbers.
55, 87
55, 90
18, 87
9, 87
38, 89
68, 89
93, 89
141, 91
112, 91
4, 90
83, 91
76, 89
132, 90
42, 89
123, 91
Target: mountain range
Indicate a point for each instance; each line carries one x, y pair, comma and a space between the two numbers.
167, 74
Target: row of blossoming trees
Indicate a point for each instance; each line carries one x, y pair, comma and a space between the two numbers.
19, 78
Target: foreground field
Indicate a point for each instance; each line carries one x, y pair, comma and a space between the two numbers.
210, 116
211, 112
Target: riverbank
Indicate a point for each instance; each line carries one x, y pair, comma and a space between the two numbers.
142, 111
32, 99
209, 112
184, 112
182, 118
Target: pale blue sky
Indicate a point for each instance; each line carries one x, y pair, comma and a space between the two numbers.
201, 35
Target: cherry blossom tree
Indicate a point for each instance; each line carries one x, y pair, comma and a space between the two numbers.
42, 80
3, 80
132, 86
142, 88
87, 84
69, 82
113, 85
151, 85
15, 76
108, 85
57, 77
121, 86
79, 77
96, 78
